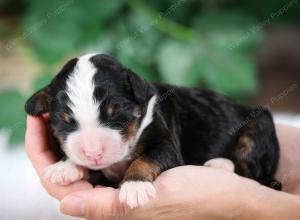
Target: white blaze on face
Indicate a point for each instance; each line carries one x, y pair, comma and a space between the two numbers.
80, 90
93, 145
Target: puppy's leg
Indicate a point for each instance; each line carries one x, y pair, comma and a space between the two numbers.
157, 151
257, 151
220, 163
64, 173
137, 187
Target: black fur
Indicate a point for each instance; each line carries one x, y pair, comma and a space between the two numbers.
205, 125
190, 125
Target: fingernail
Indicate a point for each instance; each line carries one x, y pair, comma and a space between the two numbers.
72, 205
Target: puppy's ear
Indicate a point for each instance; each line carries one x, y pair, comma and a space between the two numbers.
141, 89
39, 103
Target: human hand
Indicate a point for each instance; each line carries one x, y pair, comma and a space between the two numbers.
187, 192
203, 193
39, 147
289, 165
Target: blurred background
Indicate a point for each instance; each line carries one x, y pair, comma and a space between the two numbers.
249, 50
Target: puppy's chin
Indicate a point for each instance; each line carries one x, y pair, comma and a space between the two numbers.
98, 167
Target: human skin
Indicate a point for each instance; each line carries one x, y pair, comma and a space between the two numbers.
188, 192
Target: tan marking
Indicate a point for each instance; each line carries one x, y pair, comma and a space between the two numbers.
131, 131
246, 144
60, 140
66, 117
142, 170
110, 110
244, 147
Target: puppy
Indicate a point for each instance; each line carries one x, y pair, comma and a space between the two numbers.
109, 121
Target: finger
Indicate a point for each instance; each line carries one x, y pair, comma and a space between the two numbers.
59, 192
98, 203
36, 144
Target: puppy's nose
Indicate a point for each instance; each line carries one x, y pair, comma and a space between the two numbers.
93, 154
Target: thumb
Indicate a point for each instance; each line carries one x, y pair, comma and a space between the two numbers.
97, 203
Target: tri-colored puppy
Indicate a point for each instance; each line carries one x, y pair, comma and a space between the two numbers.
109, 120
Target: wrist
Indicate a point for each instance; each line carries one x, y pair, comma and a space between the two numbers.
263, 203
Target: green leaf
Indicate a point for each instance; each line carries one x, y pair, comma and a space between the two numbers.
57, 28
141, 70
176, 62
231, 29
137, 45
13, 114
228, 38
139, 38
228, 72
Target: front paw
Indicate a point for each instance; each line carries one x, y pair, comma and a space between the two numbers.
136, 193
64, 173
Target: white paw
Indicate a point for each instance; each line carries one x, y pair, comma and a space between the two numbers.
64, 173
220, 163
136, 193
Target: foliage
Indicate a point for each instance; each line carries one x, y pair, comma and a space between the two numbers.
12, 114
183, 42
